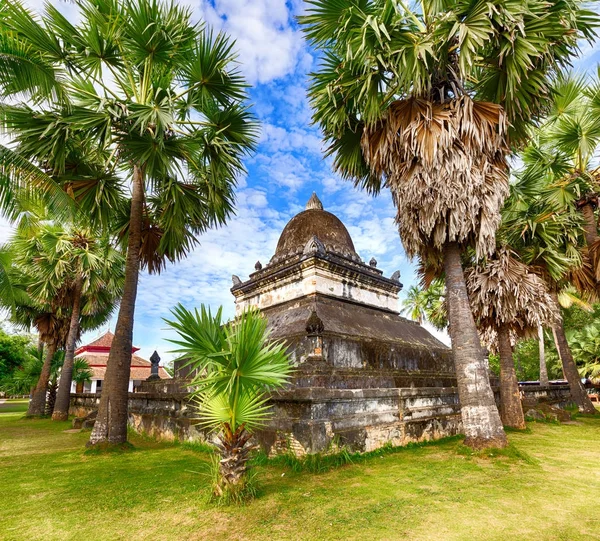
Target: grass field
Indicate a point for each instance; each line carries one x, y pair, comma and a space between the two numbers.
546, 489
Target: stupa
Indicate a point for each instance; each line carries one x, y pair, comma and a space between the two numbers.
365, 376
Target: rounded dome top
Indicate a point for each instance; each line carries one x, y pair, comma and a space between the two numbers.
315, 222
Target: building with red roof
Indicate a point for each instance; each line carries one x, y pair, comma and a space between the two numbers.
96, 354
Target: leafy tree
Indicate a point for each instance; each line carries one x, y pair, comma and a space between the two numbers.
14, 351
26, 376
157, 98
585, 345
424, 101
235, 365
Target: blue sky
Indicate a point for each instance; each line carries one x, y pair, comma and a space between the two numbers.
286, 169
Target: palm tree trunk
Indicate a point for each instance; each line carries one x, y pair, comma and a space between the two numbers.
589, 225
63, 395
511, 410
37, 406
111, 422
480, 417
233, 466
578, 394
543, 368
51, 402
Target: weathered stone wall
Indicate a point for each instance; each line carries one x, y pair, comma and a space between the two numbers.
313, 420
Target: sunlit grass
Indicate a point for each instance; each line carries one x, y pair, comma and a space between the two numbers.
545, 488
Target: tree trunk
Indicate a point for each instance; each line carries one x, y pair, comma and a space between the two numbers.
233, 466
511, 410
51, 402
63, 395
111, 422
578, 394
480, 417
543, 368
37, 405
589, 226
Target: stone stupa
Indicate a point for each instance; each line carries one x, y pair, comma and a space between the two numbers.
364, 375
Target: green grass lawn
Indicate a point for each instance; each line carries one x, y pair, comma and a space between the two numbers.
51, 489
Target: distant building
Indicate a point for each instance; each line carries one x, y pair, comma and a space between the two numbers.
96, 354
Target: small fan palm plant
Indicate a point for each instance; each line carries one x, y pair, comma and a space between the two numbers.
236, 366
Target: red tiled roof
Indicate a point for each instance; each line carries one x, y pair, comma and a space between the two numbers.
105, 340
137, 372
100, 359
101, 344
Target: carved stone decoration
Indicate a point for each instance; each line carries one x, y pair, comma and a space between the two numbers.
314, 246
373, 262
314, 203
396, 276
236, 280
314, 324
155, 359
258, 265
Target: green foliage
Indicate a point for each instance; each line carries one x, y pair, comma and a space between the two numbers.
375, 52
427, 303
235, 365
15, 350
585, 346
130, 85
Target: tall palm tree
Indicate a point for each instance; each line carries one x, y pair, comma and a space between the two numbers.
548, 238
162, 100
235, 366
423, 101
96, 271
72, 281
508, 301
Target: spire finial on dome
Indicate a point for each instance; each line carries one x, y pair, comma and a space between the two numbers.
314, 203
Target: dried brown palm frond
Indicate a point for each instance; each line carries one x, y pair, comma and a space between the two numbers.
445, 165
594, 256
585, 277
504, 292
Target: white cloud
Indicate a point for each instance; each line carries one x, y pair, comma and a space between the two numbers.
269, 46
278, 139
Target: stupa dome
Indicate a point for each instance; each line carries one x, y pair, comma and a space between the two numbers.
315, 222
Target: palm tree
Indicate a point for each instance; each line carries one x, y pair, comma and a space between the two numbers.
415, 304
508, 302
569, 141
160, 99
95, 270
72, 281
235, 365
424, 101
547, 238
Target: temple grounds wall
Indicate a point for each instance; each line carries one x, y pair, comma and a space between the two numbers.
320, 420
